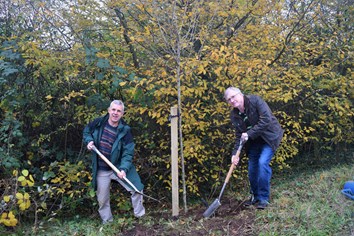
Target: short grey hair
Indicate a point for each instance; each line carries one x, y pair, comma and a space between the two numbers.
229, 89
117, 102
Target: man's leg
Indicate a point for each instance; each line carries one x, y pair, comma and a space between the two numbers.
253, 169
136, 199
137, 202
265, 173
103, 195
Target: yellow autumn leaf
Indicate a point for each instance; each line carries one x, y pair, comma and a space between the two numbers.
7, 198
21, 178
36, 124
19, 195
49, 97
44, 205
11, 215
218, 70
122, 83
56, 180
30, 183
102, 55
23, 201
8, 219
25, 173
22, 206
12, 222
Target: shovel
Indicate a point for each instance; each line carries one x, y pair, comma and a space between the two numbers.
118, 172
212, 208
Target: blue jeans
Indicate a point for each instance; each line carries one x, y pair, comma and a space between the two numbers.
259, 171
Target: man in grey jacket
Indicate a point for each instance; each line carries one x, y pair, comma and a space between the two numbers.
255, 123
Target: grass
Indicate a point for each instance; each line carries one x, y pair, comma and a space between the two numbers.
310, 204
303, 203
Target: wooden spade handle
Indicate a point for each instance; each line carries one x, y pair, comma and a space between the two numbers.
232, 167
106, 160
114, 168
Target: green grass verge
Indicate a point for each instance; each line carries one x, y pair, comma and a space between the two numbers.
309, 204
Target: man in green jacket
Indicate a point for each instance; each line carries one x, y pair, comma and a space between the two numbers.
255, 122
113, 138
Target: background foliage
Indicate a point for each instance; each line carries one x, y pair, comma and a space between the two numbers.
62, 62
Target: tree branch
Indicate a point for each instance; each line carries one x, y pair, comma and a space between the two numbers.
123, 21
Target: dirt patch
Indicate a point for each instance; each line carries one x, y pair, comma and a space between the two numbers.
231, 218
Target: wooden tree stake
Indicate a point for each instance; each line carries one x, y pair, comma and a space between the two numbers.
174, 161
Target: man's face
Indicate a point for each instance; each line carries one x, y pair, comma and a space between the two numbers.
235, 99
115, 113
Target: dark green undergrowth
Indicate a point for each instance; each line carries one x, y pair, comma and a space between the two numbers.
306, 200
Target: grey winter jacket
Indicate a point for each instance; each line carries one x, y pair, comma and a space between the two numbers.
264, 123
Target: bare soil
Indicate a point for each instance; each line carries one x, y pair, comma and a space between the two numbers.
231, 218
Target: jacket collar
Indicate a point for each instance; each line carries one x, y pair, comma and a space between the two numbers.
246, 103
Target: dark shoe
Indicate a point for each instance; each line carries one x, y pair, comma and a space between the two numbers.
262, 205
250, 202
